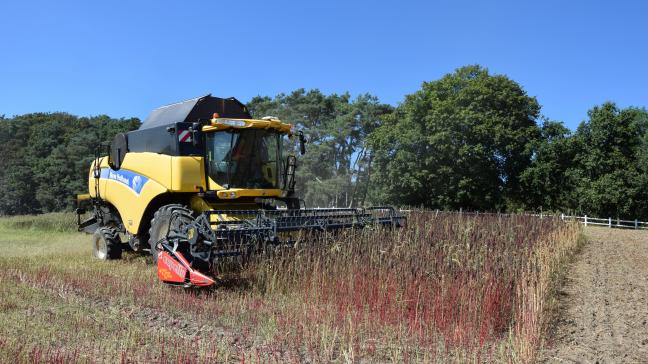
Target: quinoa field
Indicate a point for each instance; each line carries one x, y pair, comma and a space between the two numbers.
446, 288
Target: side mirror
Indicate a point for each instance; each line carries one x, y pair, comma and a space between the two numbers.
302, 143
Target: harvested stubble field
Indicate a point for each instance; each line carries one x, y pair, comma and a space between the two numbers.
448, 287
604, 301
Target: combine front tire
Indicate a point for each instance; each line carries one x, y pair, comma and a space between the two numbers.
168, 219
106, 244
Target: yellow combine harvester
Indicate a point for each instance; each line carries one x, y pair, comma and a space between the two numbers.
199, 181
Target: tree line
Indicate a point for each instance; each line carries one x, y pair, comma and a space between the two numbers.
470, 140
45, 158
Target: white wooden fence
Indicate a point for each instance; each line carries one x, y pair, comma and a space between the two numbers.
609, 222
585, 220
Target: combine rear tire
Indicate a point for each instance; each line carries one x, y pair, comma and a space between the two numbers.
106, 244
168, 219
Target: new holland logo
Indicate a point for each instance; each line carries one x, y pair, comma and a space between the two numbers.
128, 178
184, 136
136, 183
118, 177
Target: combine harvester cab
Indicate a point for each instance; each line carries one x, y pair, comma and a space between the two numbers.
200, 181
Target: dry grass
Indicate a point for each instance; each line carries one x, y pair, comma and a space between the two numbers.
446, 288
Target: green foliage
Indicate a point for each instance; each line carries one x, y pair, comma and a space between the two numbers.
642, 180
608, 167
548, 182
600, 170
459, 142
335, 170
46, 158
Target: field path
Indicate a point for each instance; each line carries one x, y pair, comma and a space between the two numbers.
604, 303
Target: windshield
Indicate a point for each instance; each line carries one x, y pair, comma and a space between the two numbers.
244, 158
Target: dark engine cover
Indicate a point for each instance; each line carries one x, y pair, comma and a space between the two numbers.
191, 111
163, 130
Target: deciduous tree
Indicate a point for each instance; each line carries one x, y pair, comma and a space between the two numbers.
459, 142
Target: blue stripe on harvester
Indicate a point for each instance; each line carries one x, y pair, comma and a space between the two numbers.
131, 179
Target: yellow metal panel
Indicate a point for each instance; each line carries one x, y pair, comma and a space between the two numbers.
131, 206
213, 185
187, 173
243, 192
103, 163
221, 124
151, 165
199, 205
233, 193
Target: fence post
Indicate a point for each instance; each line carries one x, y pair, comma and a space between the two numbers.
636, 224
609, 222
562, 217
585, 220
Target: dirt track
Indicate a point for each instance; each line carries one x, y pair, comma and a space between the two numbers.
604, 303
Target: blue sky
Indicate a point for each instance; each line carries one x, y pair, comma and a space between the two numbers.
126, 58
